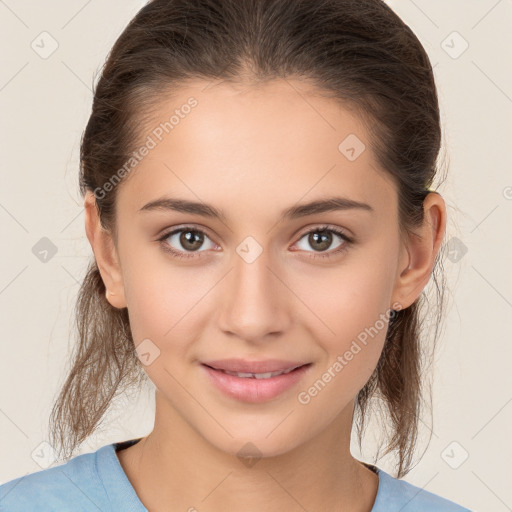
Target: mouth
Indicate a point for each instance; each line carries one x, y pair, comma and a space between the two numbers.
263, 375
239, 365
255, 387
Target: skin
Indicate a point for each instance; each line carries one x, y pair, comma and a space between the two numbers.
253, 152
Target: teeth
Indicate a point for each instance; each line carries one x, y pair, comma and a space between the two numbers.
267, 375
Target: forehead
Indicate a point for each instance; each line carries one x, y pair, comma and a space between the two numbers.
276, 143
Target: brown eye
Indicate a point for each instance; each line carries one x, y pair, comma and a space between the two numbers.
321, 239
185, 241
191, 240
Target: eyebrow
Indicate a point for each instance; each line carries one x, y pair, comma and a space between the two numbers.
302, 210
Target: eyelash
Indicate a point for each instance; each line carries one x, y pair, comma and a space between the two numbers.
183, 255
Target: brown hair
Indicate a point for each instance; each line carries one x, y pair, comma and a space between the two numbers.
356, 51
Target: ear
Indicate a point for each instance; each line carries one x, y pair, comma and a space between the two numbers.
418, 257
105, 253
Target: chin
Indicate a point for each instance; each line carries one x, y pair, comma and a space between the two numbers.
249, 447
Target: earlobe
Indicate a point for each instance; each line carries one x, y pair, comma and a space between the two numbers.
421, 251
105, 253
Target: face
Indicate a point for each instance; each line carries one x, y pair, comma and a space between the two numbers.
312, 287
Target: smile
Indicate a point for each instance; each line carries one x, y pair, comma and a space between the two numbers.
255, 387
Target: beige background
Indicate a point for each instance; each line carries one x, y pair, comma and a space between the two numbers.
45, 104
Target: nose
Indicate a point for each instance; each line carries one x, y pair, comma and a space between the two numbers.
255, 300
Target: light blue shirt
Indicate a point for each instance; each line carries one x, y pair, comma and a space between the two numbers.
97, 482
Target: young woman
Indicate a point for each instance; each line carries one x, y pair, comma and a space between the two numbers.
257, 184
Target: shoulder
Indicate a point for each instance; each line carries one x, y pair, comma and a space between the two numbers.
75, 482
396, 494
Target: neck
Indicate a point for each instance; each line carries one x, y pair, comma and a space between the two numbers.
175, 468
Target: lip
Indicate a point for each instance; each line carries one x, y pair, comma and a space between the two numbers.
253, 390
243, 365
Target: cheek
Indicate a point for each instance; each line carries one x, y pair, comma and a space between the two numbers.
166, 306
159, 293
347, 314
343, 301
352, 340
